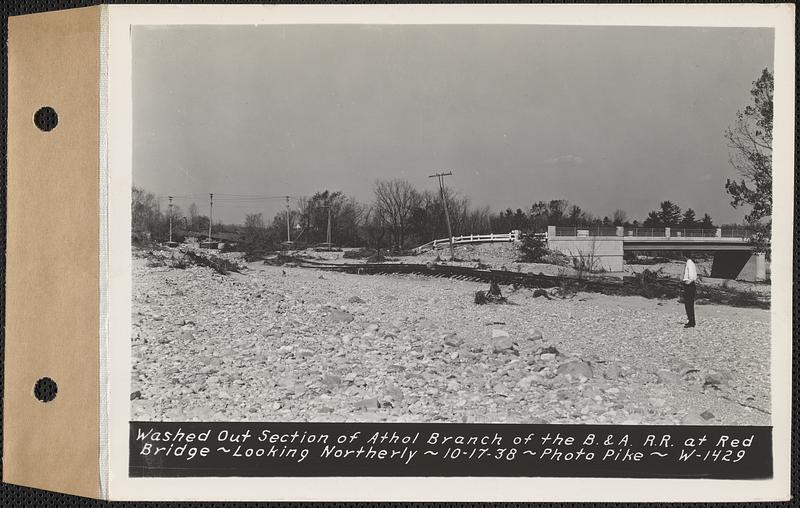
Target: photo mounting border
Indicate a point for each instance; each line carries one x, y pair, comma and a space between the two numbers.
117, 180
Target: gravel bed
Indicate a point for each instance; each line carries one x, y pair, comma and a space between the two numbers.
297, 344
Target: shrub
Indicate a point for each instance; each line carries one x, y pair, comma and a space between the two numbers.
480, 265
377, 257
180, 263
532, 249
554, 257
218, 264
363, 253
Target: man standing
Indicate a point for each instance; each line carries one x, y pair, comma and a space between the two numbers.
689, 290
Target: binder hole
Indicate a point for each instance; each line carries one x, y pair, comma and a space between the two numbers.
45, 389
46, 118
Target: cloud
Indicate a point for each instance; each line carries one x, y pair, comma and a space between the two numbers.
564, 161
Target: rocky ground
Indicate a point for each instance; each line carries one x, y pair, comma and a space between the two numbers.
298, 344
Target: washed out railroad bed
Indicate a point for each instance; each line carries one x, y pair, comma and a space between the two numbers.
279, 343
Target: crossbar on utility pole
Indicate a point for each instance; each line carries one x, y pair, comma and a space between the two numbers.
441, 176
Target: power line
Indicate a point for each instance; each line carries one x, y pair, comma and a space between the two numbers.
232, 198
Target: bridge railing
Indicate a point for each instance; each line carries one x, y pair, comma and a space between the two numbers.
492, 237
692, 233
673, 232
652, 232
586, 231
736, 233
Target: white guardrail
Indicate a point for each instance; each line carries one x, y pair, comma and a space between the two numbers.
493, 237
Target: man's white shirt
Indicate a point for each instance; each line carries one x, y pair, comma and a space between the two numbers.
690, 272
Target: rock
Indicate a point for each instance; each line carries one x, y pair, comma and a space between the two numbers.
501, 341
695, 388
303, 353
136, 395
394, 392
525, 383
707, 415
668, 377
612, 371
533, 379
534, 335
493, 295
331, 380
497, 333
576, 369
548, 357
373, 328
452, 339
340, 316
547, 349
717, 378
541, 292
355, 299
500, 389
367, 404
656, 402
693, 419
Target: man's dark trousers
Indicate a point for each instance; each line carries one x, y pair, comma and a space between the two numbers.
689, 293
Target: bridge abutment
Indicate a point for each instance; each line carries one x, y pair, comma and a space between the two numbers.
742, 265
601, 252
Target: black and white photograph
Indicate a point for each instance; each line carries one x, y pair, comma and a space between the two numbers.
523, 224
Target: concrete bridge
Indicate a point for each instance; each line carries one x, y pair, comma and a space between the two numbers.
604, 247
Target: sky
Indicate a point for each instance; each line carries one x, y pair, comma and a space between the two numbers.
605, 117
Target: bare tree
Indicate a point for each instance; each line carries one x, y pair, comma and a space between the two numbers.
254, 221
194, 215
395, 200
619, 217
373, 227
145, 211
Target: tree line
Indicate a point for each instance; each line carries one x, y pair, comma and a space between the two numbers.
399, 217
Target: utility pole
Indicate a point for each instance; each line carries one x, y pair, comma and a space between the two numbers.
170, 219
288, 233
328, 236
441, 176
210, 217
